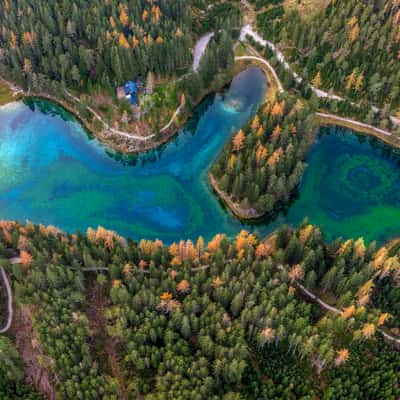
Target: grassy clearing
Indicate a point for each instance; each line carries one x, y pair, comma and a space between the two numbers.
5, 94
307, 8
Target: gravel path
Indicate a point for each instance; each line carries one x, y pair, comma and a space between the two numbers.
9, 301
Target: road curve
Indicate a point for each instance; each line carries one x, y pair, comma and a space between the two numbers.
200, 49
248, 30
9, 301
267, 64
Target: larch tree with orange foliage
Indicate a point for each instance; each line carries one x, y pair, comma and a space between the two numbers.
238, 141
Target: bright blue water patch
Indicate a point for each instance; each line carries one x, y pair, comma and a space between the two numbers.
52, 173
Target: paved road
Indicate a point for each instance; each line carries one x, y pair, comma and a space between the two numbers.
200, 49
248, 30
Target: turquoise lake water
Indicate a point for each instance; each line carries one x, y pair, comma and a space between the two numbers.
52, 173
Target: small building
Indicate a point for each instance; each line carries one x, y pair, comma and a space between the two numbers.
131, 91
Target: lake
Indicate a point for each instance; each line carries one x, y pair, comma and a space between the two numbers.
51, 172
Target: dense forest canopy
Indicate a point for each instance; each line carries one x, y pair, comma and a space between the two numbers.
351, 47
263, 163
203, 320
98, 316
94, 42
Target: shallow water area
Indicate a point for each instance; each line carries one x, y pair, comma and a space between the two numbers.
52, 172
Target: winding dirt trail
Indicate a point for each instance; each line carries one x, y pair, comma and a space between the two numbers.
335, 310
248, 30
9, 301
268, 65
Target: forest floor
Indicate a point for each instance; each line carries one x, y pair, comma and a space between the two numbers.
36, 362
104, 346
6, 94
306, 8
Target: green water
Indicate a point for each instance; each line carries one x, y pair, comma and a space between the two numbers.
351, 187
51, 172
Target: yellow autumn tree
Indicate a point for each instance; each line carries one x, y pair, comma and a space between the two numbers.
366, 289
122, 41
215, 242
317, 81
348, 312
156, 12
359, 82
342, 356
368, 330
232, 162
278, 108
275, 156
382, 319
238, 141
296, 273
351, 79
183, 287
305, 233
26, 258
256, 123
166, 296
354, 32
277, 131
124, 17
261, 153
261, 250
359, 247
145, 15
217, 282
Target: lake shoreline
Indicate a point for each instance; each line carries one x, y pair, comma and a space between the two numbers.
234, 207
319, 121
132, 146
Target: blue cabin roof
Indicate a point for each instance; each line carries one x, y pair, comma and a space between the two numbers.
130, 88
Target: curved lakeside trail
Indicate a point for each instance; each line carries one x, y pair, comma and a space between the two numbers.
9, 301
54, 173
353, 122
330, 308
199, 51
267, 64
